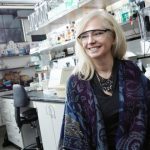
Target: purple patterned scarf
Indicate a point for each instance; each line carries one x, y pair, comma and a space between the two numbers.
83, 126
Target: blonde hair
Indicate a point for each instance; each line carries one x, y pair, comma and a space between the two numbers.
85, 68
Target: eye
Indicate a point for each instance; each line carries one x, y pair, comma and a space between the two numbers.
84, 36
98, 33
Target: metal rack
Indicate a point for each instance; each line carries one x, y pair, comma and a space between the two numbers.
144, 18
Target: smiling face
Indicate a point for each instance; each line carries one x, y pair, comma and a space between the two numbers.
96, 39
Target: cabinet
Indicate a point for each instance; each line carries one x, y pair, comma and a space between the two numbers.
2, 92
8, 118
21, 139
1, 123
50, 120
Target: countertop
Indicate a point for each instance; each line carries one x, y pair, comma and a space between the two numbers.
39, 96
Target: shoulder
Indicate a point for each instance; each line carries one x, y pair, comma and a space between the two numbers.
134, 70
130, 65
74, 79
130, 70
76, 84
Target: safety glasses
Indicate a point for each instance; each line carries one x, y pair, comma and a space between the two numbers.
97, 33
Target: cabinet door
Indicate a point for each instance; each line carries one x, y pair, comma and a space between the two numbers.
14, 135
1, 123
7, 111
57, 119
46, 127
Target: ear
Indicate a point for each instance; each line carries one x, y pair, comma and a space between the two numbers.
113, 45
114, 42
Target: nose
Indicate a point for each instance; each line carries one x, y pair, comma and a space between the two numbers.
91, 39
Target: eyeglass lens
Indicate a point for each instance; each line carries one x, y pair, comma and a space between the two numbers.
94, 33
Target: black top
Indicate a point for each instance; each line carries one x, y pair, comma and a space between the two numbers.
109, 106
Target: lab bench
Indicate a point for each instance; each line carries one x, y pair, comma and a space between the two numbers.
50, 111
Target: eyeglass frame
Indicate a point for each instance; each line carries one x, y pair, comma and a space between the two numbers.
102, 30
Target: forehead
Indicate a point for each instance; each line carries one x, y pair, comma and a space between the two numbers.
94, 23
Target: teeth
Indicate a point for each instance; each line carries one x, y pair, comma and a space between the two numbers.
93, 49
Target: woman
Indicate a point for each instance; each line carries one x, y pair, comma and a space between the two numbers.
108, 98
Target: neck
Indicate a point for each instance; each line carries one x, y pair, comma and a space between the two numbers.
104, 67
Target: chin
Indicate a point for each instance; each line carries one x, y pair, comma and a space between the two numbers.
95, 57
